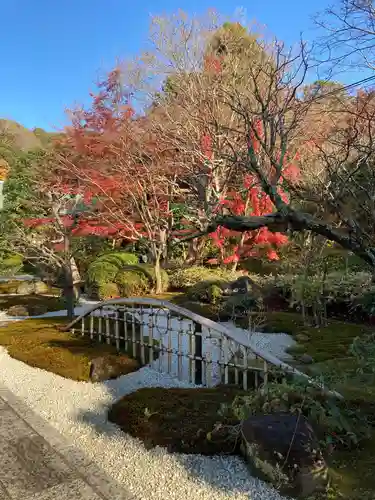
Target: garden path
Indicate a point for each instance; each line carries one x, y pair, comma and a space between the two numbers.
37, 463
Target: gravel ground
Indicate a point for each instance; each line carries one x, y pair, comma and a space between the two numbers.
78, 410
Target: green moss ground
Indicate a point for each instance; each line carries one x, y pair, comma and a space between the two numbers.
40, 343
178, 419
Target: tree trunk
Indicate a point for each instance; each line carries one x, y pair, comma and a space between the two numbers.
69, 292
158, 278
194, 251
69, 275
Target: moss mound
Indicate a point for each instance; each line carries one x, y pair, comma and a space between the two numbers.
40, 343
178, 419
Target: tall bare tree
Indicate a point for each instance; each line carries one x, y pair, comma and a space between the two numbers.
254, 95
349, 34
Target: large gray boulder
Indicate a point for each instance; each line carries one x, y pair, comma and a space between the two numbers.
111, 366
284, 450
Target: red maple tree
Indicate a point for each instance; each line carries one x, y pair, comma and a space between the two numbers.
251, 200
121, 162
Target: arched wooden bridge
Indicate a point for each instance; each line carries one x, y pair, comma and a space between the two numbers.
178, 342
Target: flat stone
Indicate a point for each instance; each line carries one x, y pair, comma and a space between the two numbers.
74, 490
28, 465
306, 359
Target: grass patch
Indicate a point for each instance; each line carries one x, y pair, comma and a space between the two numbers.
39, 343
177, 419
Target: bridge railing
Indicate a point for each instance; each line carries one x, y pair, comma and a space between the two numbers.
178, 342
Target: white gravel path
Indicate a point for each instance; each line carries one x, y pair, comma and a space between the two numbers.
78, 410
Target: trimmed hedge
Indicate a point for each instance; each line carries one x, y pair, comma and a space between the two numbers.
108, 291
101, 272
119, 274
118, 258
148, 272
132, 283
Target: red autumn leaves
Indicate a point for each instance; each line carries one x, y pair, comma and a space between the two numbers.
251, 200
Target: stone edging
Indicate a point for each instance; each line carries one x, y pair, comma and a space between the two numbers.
74, 458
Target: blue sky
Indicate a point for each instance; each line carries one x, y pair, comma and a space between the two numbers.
52, 50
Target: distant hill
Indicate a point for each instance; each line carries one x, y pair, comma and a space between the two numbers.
24, 138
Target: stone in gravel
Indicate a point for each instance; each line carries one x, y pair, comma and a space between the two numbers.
18, 311
301, 337
284, 450
111, 366
306, 359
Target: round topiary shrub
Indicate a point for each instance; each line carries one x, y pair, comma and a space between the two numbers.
108, 291
207, 291
132, 283
104, 270
119, 259
101, 272
148, 271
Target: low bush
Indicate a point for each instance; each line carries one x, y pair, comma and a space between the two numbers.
207, 291
337, 424
148, 271
11, 265
101, 272
350, 291
240, 305
108, 291
132, 283
184, 278
118, 258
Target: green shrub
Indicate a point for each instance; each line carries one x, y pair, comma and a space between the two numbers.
118, 258
105, 268
335, 287
366, 301
11, 265
108, 291
132, 283
207, 291
101, 272
148, 271
337, 423
190, 276
240, 304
